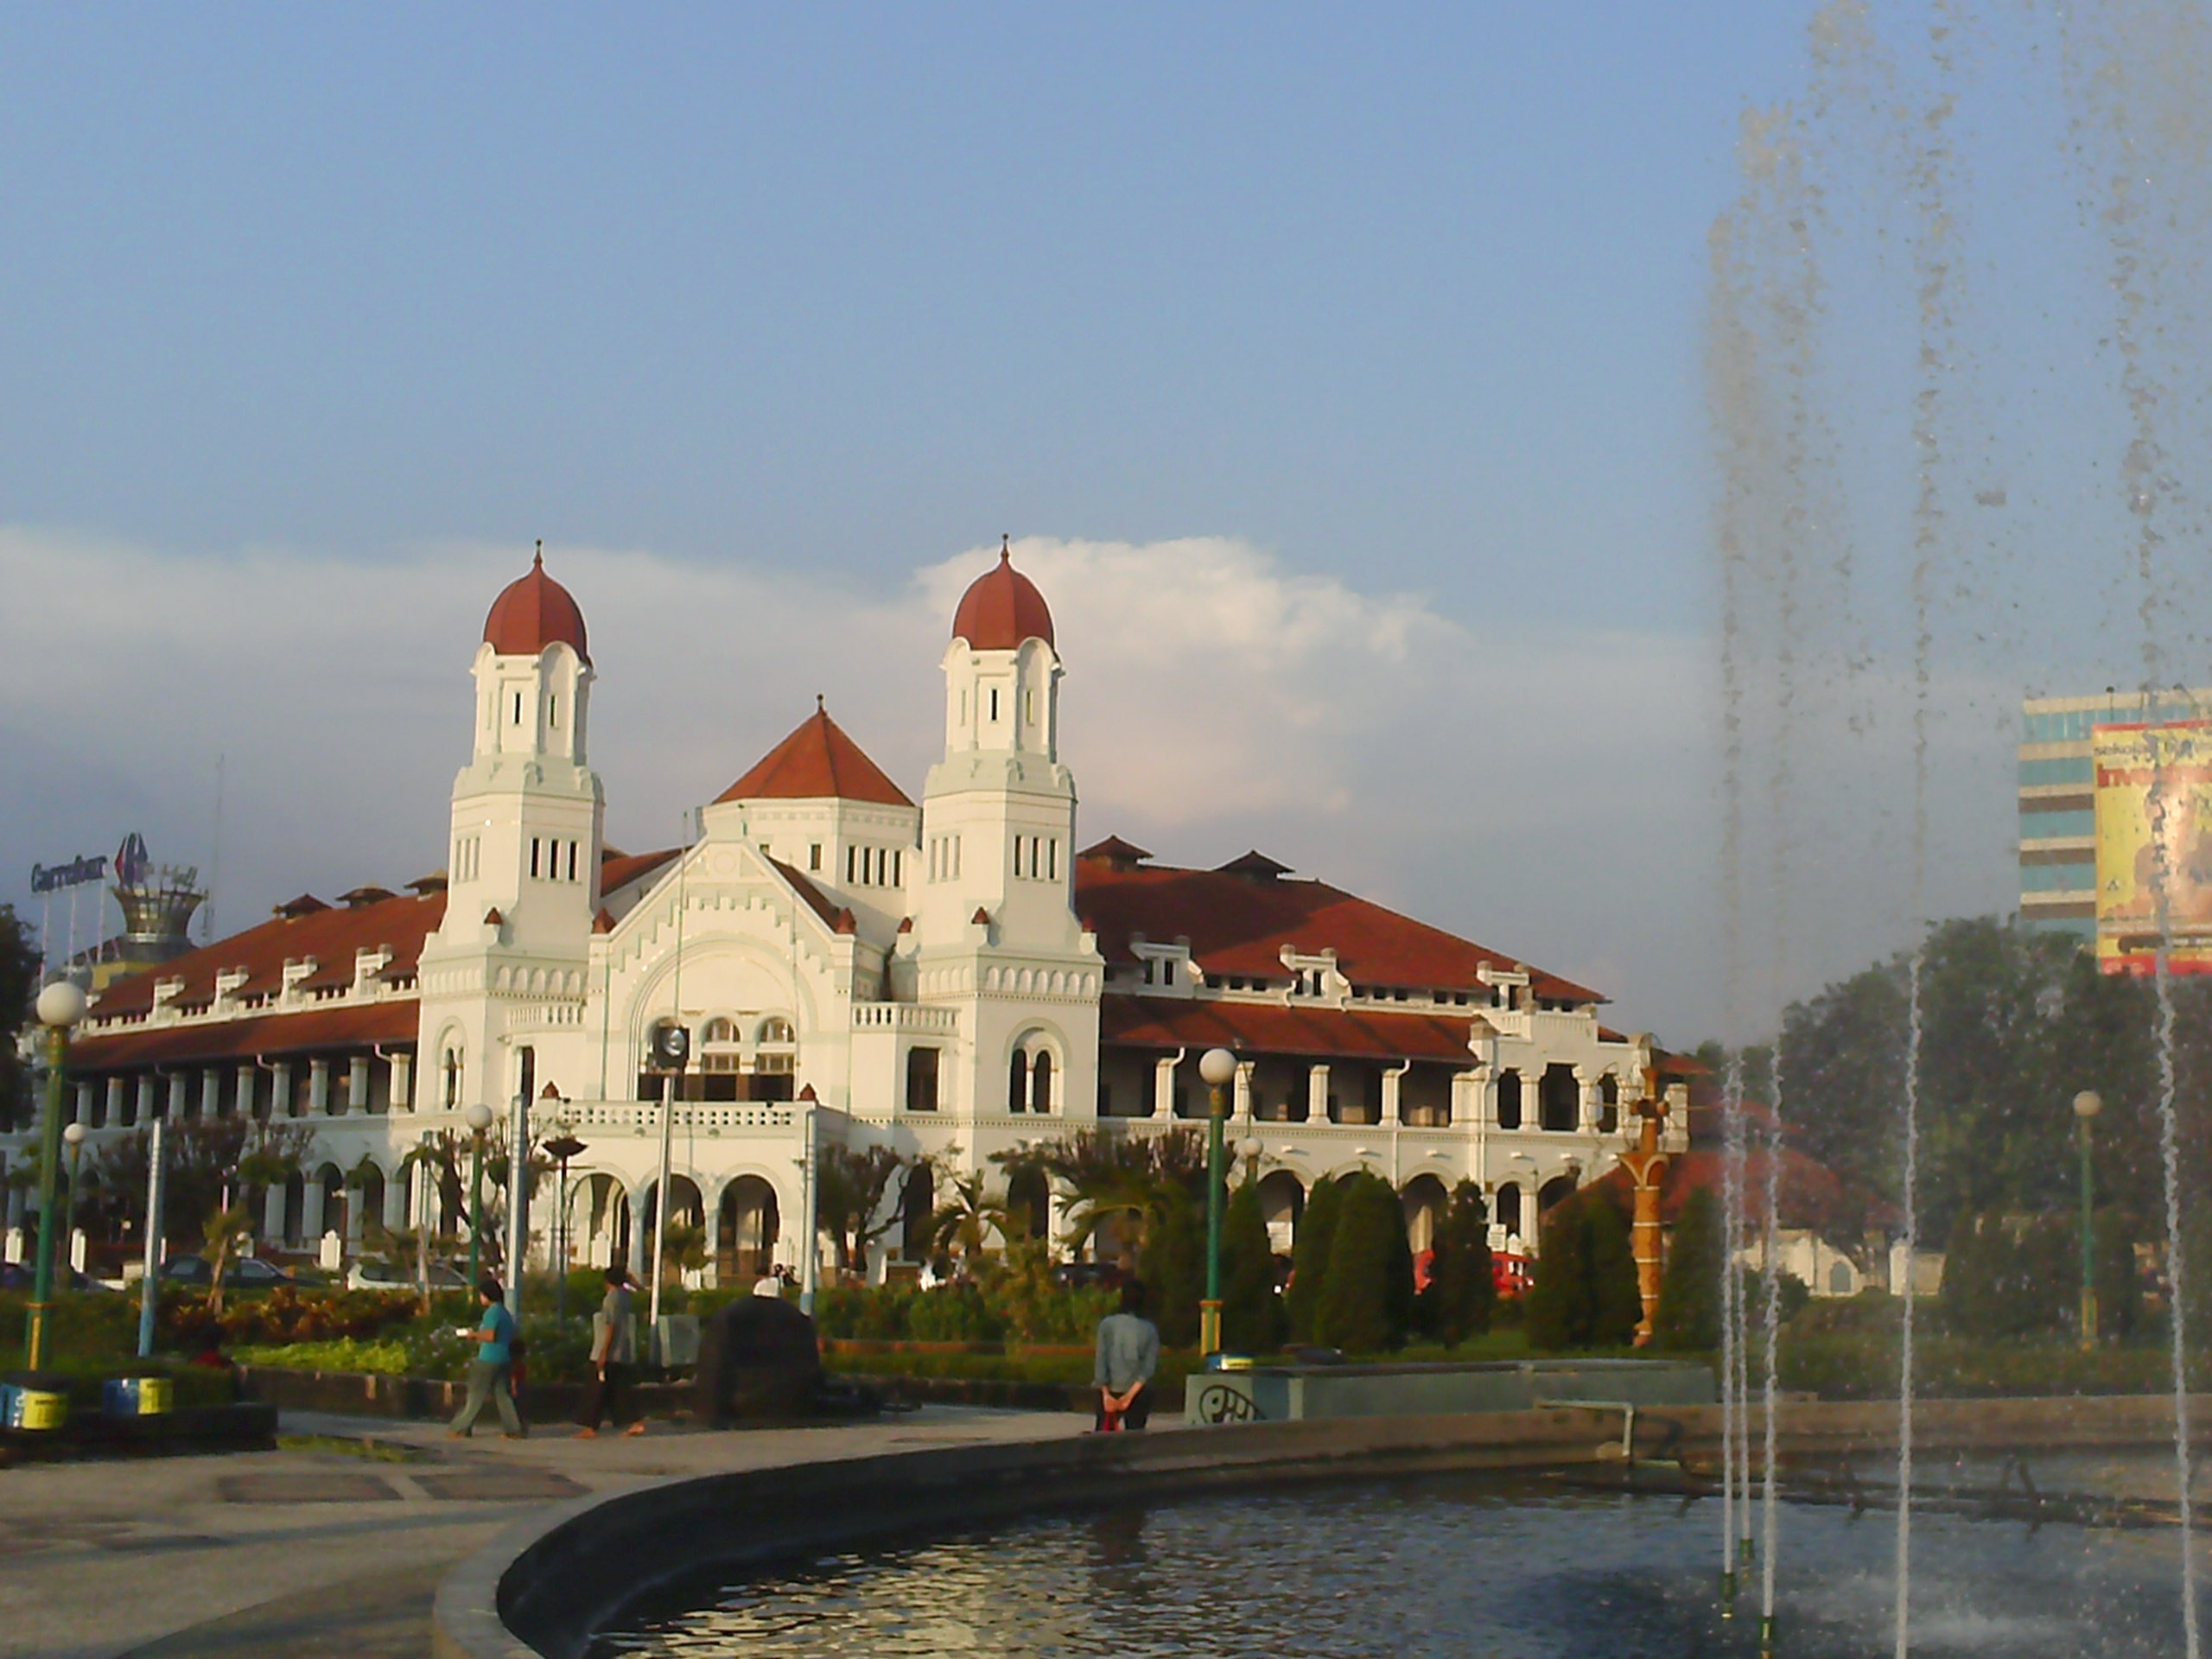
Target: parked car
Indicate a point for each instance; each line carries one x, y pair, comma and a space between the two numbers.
248, 1272
21, 1275
403, 1276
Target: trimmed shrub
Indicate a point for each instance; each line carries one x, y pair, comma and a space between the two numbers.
1688, 1319
1174, 1271
1461, 1292
1309, 1261
1367, 1300
1585, 1295
1251, 1312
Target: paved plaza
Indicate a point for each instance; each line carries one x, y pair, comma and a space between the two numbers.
334, 1545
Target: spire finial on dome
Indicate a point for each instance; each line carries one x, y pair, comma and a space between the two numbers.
818, 709
1005, 548
538, 560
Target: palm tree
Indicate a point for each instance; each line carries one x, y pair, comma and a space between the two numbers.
968, 1217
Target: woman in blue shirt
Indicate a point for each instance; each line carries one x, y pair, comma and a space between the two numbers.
494, 1364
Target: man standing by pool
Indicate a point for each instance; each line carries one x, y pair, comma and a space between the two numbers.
1128, 1353
494, 1364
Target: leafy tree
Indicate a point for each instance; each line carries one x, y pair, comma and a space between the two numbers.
851, 1185
1173, 1271
1124, 1181
1309, 1261
213, 1164
1461, 1292
18, 986
1367, 1299
1251, 1312
1688, 1319
1585, 1295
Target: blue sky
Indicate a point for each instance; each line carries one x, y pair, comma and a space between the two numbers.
1412, 293
769, 320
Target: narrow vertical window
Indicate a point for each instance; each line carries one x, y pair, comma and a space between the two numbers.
814, 856
994, 705
852, 866
1053, 858
1029, 707
533, 858
518, 708
572, 861
553, 714
897, 857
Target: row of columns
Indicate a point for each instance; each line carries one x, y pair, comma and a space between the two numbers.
99, 1105
1474, 1093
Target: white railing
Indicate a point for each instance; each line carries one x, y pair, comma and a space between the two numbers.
707, 1117
904, 1016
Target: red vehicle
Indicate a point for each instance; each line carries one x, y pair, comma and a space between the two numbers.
1511, 1274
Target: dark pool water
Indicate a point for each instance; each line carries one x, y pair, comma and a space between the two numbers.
1464, 1567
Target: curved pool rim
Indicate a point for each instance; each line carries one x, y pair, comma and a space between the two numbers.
544, 1587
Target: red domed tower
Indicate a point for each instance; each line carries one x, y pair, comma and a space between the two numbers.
1001, 609
532, 612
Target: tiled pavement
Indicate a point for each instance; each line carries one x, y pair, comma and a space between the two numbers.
316, 1552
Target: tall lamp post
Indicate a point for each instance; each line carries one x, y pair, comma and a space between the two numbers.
60, 1005
2086, 1105
1217, 1067
561, 1149
479, 1119
74, 1134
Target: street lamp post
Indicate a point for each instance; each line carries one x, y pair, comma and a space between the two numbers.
2086, 1105
561, 1149
479, 1119
75, 1136
1217, 1067
60, 1005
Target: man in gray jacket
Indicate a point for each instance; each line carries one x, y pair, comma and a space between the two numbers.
611, 1359
1128, 1353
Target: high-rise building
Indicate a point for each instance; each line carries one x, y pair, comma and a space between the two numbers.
2058, 783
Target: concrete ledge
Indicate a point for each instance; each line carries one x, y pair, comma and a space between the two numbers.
542, 1589
371, 1394
185, 1432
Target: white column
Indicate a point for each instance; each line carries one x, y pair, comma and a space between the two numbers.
1163, 1088
318, 1088
641, 1241
1392, 1076
395, 1200
403, 1078
310, 1209
114, 1112
145, 1114
1317, 1094
273, 1210
1592, 1103
280, 1089
1241, 1106
246, 1090
357, 1085
83, 1112
178, 1087
211, 1090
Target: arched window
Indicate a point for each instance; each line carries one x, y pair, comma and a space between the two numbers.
1017, 1082
1040, 1083
1608, 1103
1508, 1207
451, 1067
775, 1029
1560, 1098
719, 1030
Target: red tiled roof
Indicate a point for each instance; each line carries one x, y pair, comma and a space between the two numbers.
1001, 609
816, 900
1259, 1028
1237, 924
357, 1025
532, 613
330, 936
818, 761
621, 869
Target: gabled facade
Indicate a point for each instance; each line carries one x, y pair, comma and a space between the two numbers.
954, 978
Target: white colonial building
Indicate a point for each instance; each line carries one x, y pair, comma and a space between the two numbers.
954, 977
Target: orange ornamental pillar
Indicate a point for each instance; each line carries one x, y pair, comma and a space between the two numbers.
1646, 1167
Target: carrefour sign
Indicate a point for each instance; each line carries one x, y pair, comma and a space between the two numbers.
51, 878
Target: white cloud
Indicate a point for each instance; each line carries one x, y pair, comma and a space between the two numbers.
1546, 791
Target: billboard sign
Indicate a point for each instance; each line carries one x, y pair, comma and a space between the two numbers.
2154, 846
53, 878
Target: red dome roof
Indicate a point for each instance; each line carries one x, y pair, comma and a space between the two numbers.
532, 612
1001, 609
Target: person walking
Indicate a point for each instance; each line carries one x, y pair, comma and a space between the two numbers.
490, 1377
612, 1356
1128, 1353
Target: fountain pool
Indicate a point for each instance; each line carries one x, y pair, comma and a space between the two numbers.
1460, 1564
